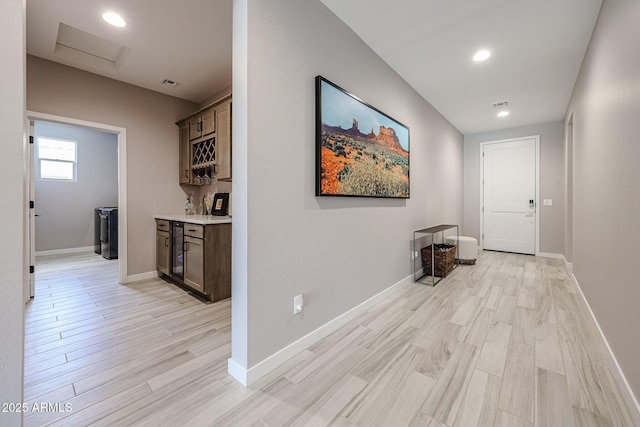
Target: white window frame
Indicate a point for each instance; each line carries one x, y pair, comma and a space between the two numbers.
73, 162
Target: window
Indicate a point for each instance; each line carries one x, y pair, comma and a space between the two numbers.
57, 159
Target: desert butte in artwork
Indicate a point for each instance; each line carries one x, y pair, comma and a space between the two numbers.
358, 164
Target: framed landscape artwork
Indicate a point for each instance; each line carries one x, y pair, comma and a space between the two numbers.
360, 151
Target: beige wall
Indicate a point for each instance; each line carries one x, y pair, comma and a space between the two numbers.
336, 252
14, 203
152, 141
551, 181
606, 179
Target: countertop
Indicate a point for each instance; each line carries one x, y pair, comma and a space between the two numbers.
196, 219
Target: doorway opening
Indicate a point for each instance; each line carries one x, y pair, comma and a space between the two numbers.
56, 207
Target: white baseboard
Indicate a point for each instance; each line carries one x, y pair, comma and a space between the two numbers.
568, 265
246, 377
142, 276
550, 255
627, 392
66, 251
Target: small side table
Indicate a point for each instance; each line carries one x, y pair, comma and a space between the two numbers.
417, 258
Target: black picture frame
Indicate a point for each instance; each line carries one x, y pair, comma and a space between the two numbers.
220, 204
351, 160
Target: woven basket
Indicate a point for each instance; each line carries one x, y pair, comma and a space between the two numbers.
444, 259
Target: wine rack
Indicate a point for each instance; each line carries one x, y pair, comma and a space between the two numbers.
203, 153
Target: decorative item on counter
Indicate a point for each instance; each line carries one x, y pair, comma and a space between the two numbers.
220, 204
188, 208
205, 179
208, 203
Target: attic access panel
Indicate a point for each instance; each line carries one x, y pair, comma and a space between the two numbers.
86, 48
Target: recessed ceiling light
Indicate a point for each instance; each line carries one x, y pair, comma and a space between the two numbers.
481, 55
114, 19
503, 113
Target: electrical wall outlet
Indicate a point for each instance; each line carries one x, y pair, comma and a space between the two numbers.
298, 303
548, 202
414, 255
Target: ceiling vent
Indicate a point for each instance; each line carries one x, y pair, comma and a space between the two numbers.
500, 104
88, 49
168, 82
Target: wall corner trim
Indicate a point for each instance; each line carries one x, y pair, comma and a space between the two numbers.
249, 376
568, 265
625, 389
237, 371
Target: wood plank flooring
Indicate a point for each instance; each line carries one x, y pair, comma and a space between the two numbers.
507, 342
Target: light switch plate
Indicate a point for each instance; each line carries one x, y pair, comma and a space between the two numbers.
548, 202
298, 303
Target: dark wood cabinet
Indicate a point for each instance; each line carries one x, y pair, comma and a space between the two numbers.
223, 140
163, 246
202, 123
185, 155
206, 255
205, 143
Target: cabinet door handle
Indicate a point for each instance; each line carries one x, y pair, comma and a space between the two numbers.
185, 246
166, 241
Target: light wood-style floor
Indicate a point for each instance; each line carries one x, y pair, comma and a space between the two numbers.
507, 342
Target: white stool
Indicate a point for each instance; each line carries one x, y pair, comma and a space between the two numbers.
467, 249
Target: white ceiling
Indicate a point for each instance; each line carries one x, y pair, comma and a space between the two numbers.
188, 42
537, 47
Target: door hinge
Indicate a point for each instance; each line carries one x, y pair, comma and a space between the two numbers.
32, 204
30, 139
32, 269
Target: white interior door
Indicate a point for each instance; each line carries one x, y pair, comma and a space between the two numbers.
509, 194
